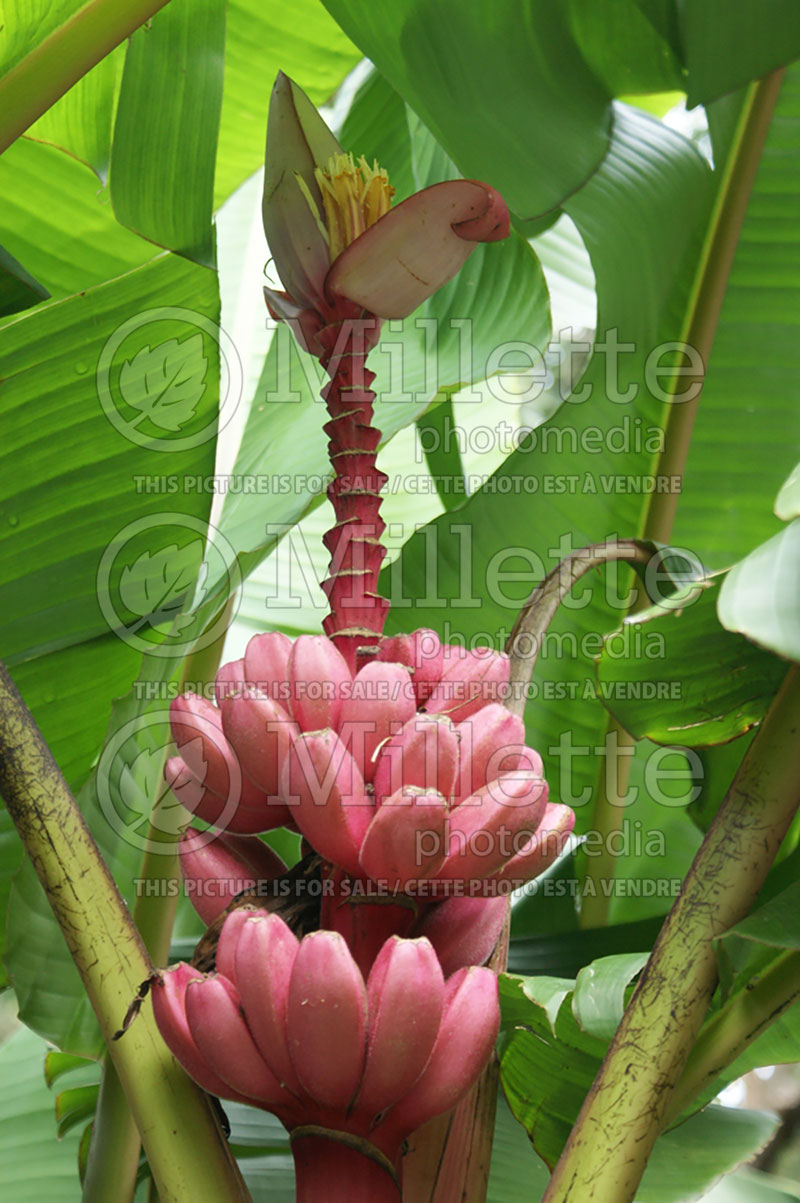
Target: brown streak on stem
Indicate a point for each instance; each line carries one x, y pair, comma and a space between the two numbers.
185, 1148
624, 1112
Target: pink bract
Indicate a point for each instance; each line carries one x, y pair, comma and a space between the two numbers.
391, 267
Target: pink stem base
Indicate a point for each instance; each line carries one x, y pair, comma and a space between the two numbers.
366, 925
335, 1167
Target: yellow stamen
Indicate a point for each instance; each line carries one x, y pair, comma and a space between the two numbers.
354, 196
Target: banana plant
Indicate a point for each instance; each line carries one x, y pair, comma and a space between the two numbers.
260, 835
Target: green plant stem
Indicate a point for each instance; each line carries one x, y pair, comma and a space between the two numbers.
185, 1147
612, 1139
607, 817
699, 330
63, 56
114, 1149
736, 1025
525, 640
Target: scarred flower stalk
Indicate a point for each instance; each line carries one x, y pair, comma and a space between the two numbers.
358, 612
327, 1168
347, 261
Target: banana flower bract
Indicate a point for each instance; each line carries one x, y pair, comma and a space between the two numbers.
339, 248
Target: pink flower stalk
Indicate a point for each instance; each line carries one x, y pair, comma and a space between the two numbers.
347, 260
292, 1027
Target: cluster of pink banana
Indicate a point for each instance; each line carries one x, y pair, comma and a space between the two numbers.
394, 758
405, 773
292, 1027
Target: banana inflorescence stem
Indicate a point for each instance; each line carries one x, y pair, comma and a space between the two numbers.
357, 611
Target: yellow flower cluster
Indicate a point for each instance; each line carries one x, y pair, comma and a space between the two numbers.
354, 196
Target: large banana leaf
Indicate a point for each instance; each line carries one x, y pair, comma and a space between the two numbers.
708, 685
59, 223
626, 47
445, 57
165, 137
640, 217
96, 389
81, 122
728, 42
759, 594
745, 439
85, 577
